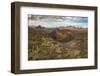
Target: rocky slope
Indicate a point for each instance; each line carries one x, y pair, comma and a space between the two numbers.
57, 43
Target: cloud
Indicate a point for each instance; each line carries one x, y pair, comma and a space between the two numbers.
56, 21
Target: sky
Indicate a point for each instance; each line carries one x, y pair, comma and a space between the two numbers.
57, 21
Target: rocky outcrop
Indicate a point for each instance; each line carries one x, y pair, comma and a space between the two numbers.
62, 35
